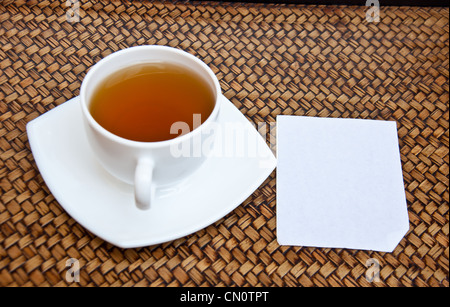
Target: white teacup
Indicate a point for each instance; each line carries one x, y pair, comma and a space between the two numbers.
145, 165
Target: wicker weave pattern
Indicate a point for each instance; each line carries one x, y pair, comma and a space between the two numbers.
270, 60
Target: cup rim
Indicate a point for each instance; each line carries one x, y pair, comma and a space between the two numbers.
118, 139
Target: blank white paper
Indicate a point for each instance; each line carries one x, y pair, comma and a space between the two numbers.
339, 183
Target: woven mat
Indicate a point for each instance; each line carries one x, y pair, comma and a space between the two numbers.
270, 60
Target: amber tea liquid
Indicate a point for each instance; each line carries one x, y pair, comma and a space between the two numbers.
141, 102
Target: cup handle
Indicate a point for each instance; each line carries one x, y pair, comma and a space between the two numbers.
144, 190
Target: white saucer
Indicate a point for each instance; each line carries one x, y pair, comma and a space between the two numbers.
105, 206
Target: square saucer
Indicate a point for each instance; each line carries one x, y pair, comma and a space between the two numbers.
105, 206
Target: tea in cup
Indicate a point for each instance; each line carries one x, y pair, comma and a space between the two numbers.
131, 100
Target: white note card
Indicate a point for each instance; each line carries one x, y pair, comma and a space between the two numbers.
339, 183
